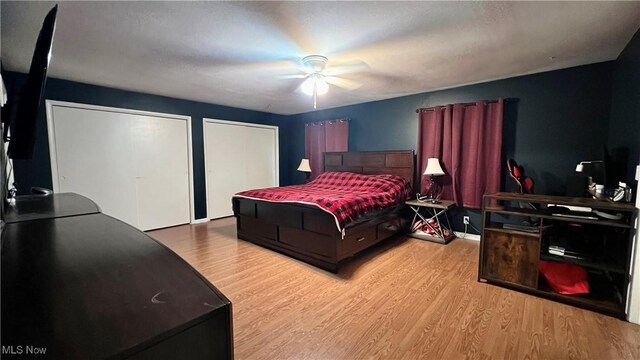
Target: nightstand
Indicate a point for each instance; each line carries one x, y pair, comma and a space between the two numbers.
430, 221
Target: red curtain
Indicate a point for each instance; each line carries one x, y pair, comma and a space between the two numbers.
325, 136
467, 138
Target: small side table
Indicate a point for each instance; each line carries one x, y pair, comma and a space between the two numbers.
430, 213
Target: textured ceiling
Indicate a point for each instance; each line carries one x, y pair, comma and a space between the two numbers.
241, 53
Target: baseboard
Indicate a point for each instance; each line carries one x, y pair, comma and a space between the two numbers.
460, 235
200, 221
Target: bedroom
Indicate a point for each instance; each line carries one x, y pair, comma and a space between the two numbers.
557, 113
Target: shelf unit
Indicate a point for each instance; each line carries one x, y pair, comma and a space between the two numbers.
517, 230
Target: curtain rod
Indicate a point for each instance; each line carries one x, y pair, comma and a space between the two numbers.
464, 104
327, 121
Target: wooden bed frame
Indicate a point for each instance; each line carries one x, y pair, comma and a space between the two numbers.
308, 233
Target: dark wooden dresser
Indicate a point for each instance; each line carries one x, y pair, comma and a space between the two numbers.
78, 284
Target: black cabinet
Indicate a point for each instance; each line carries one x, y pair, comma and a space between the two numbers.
80, 284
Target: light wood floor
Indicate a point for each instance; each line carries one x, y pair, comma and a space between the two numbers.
405, 299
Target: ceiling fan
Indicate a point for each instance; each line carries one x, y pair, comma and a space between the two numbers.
318, 76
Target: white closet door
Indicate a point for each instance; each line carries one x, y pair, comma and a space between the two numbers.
225, 166
261, 166
135, 166
239, 156
161, 165
93, 156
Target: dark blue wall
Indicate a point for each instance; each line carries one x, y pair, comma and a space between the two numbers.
552, 121
37, 172
624, 130
556, 119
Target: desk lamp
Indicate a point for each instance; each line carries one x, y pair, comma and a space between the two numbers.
304, 167
580, 166
594, 189
433, 169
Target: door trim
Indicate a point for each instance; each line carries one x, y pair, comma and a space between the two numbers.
53, 150
633, 291
238, 123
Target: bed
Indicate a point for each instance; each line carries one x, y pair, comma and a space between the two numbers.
311, 234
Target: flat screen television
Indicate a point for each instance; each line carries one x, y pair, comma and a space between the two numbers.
22, 121
22, 135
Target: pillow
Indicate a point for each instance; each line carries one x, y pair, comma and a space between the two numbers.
565, 278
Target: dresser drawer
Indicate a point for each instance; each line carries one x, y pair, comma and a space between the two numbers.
389, 228
352, 243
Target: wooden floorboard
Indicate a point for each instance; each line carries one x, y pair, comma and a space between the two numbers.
402, 299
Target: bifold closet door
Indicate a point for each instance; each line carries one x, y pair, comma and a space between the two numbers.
239, 157
134, 166
160, 154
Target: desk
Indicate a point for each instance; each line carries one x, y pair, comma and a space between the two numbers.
428, 214
82, 285
40, 207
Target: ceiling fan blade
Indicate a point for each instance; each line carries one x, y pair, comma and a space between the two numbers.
298, 89
299, 76
342, 82
295, 87
345, 67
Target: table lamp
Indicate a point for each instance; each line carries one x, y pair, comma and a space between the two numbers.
433, 169
304, 167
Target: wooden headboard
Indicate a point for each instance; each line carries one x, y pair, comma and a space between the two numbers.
396, 162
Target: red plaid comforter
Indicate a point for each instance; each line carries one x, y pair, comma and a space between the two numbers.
347, 196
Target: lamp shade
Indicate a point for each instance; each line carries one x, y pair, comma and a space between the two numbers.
304, 166
433, 167
579, 167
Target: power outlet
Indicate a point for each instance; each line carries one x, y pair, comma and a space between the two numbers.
465, 220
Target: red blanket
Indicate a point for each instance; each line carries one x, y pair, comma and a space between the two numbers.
347, 196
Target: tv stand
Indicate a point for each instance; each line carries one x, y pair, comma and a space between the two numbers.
83, 285
510, 253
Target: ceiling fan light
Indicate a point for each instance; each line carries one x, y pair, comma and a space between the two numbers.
315, 80
322, 86
307, 85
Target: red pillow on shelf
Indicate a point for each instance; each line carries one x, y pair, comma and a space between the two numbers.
565, 278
